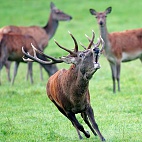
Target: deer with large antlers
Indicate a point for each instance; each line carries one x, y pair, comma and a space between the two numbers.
11, 50
42, 35
119, 46
69, 89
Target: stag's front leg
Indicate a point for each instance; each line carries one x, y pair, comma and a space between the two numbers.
90, 114
85, 118
64, 113
77, 125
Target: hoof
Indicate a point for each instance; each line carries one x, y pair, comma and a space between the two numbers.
103, 140
80, 137
87, 134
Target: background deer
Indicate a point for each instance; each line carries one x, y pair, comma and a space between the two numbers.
119, 46
68, 89
42, 35
11, 50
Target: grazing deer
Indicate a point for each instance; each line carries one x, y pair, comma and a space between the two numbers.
41, 34
69, 89
119, 46
11, 50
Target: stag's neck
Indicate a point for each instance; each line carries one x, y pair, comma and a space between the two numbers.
51, 27
79, 82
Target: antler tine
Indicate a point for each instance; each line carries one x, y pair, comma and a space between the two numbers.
71, 52
35, 58
83, 46
89, 39
27, 54
47, 56
75, 42
98, 43
92, 40
30, 58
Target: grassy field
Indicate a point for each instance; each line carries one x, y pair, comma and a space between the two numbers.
27, 115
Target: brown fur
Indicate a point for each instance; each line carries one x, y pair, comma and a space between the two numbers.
37, 32
68, 89
119, 46
11, 50
41, 35
125, 42
63, 83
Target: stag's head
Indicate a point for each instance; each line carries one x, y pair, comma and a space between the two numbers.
58, 14
101, 16
85, 61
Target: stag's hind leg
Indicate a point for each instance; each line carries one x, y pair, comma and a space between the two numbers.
90, 114
77, 125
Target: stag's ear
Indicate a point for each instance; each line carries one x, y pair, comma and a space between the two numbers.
93, 12
108, 10
69, 60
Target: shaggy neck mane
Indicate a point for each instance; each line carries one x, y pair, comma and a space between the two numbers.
77, 80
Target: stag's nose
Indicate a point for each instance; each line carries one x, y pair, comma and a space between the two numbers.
96, 50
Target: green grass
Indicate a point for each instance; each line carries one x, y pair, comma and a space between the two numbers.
26, 113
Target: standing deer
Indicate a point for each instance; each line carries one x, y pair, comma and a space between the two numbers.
41, 34
11, 50
69, 89
119, 46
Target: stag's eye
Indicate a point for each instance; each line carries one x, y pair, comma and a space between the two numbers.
81, 55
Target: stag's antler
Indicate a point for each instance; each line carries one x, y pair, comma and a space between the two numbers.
90, 40
31, 58
72, 53
35, 58
100, 41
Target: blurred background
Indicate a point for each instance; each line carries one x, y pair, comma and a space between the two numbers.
25, 111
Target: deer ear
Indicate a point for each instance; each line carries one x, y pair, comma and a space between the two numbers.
93, 12
108, 10
52, 5
69, 60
